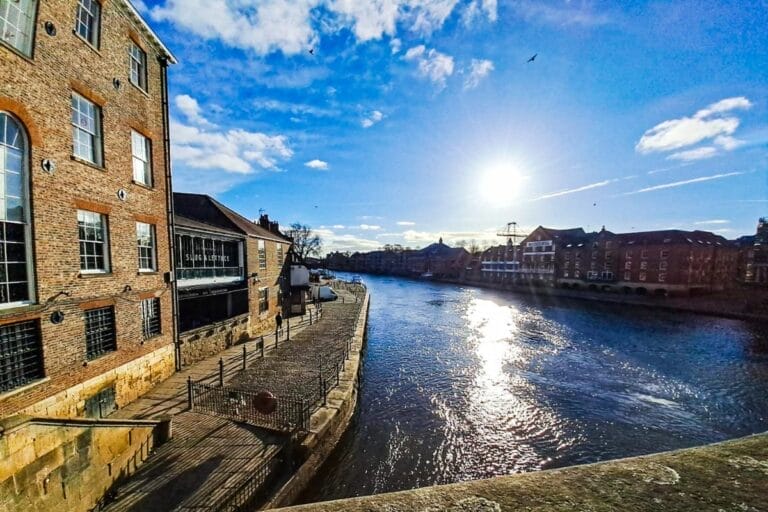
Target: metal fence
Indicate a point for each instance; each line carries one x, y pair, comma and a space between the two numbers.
291, 414
250, 494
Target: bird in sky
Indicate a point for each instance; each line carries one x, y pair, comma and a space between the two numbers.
533, 58
311, 51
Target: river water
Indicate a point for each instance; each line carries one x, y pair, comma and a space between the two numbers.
461, 383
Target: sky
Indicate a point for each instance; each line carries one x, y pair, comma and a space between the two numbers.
401, 121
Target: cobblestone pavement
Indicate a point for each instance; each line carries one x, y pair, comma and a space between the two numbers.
207, 455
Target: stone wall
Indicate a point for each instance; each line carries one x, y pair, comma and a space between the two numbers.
208, 341
67, 464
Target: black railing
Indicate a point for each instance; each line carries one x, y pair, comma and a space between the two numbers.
251, 493
291, 413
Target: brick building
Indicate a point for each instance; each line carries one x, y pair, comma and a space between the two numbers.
85, 310
232, 275
753, 255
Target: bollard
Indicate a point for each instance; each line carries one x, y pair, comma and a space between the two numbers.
221, 372
262, 346
245, 355
276, 338
288, 329
310, 317
189, 392
323, 385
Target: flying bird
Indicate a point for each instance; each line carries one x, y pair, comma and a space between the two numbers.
533, 58
311, 51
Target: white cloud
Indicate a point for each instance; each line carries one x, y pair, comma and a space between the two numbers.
369, 19
694, 154
426, 16
476, 9
191, 110
369, 227
292, 108
373, 118
140, 6
263, 26
707, 123
685, 182
713, 221
581, 15
338, 226
478, 69
233, 151
405, 223
728, 143
432, 64
395, 45
317, 164
577, 189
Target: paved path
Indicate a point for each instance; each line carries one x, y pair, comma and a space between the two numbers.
207, 455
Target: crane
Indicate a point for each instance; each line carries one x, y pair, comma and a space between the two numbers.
511, 234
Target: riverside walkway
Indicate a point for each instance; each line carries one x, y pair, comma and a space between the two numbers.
210, 457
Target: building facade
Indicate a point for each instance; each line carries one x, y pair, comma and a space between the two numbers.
233, 276
85, 308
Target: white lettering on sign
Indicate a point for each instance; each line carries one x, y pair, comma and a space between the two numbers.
543, 243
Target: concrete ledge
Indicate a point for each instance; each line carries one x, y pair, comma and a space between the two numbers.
728, 476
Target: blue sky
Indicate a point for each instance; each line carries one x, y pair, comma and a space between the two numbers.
413, 120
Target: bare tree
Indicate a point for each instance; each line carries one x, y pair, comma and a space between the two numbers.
474, 247
305, 241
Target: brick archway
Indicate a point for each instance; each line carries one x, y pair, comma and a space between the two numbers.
19, 111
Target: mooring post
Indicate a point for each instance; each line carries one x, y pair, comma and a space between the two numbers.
245, 355
276, 337
288, 329
189, 392
262, 346
310, 317
221, 372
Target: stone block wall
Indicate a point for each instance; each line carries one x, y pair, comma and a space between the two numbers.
208, 341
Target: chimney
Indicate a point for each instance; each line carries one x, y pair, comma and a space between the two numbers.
264, 221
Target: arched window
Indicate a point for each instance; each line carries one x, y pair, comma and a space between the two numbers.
14, 224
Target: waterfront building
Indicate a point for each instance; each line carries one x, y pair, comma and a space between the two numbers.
438, 259
86, 305
539, 252
753, 255
232, 275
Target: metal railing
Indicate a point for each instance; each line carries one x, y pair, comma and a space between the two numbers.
256, 489
290, 415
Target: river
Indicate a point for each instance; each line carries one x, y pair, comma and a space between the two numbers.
461, 383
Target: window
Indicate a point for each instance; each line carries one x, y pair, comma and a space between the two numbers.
86, 130
644, 253
664, 254
150, 317
642, 276
17, 24
138, 60
141, 149
263, 300
15, 284
280, 254
628, 265
94, 253
145, 237
262, 255
643, 265
628, 255
100, 332
662, 265
88, 20
662, 277
565, 274
627, 276
21, 355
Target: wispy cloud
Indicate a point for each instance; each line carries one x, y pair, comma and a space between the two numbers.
477, 8
713, 221
561, 14
320, 165
188, 106
405, 223
714, 122
685, 182
694, 154
432, 64
478, 70
369, 227
374, 117
577, 189
273, 105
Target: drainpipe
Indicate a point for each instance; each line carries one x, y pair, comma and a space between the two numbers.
169, 212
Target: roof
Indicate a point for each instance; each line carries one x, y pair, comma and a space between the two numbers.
673, 236
184, 222
440, 249
207, 210
148, 31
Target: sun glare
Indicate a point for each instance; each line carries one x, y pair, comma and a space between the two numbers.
499, 183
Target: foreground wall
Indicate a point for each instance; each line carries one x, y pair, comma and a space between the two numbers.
729, 476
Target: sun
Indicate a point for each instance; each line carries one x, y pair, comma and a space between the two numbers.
500, 183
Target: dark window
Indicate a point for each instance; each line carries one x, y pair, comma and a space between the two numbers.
150, 317
21, 355
100, 332
138, 60
101, 404
263, 300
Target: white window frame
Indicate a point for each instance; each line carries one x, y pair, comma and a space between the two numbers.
137, 59
152, 247
262, 249
17, 25
88, 21
141, 152
86, 130
104, 224
263, 300
279, 254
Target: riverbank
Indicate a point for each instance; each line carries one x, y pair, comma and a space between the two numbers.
727, 476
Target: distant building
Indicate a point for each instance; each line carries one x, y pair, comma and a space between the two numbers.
753, 255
